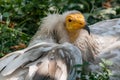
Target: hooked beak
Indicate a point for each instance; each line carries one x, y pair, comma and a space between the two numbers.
87, 28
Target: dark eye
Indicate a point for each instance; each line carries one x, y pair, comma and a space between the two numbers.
69, 20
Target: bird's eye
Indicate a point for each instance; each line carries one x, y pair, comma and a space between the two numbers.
69, 20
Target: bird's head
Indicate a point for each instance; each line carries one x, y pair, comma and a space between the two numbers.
75, 22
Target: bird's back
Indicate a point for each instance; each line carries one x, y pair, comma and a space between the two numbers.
106, 32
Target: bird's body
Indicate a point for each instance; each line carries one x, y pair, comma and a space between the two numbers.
107, 35
49, 57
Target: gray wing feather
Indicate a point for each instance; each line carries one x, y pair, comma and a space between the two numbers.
43, 62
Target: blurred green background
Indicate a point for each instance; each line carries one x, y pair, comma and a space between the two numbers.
19, 19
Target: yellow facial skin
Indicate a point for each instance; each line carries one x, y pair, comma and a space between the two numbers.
74, 22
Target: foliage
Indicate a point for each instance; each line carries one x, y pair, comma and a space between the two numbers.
10, 37
102, 74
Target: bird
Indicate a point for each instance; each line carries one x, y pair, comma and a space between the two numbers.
64, 40
100, 41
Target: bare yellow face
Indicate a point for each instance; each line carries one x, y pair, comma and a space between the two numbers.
75, 22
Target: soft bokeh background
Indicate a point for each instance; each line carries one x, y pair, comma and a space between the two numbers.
19, 19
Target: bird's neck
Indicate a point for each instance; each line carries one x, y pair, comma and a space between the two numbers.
86, 43
73, 35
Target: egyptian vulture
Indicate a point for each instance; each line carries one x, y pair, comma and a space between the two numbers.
62, 41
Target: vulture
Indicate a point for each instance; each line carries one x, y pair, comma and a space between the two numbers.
61, 42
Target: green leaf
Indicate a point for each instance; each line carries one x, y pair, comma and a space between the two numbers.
6, 14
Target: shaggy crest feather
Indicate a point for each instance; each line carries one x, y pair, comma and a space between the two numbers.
50, 30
